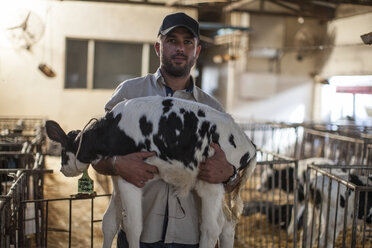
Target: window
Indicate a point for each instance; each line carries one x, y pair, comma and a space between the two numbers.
76, 64
95, 64
348, 98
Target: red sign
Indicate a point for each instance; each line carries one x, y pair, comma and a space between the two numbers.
354, 89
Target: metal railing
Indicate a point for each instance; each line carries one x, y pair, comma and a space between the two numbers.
27, 184
338, 207
267, 213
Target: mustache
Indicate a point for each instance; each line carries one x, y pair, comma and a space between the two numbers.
178, 55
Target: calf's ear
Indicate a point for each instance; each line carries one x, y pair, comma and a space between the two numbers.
56, 133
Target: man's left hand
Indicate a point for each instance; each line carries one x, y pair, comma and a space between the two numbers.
216, 169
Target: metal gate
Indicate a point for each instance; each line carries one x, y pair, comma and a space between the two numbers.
66, 232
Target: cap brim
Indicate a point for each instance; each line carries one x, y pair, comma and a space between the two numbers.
166, 31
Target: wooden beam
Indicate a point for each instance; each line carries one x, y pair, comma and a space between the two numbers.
237, 5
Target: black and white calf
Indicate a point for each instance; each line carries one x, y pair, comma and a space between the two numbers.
284, 178
180, 132
341, 202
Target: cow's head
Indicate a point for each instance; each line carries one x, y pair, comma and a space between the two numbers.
70, 165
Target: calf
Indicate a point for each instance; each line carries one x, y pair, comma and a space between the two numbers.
273, 178
180, 133
339, 195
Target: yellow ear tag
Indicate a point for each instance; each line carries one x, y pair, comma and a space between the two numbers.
85, 184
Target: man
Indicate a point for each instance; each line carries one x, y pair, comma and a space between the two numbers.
169, 221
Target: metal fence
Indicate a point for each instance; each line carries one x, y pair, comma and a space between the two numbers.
343, 145
21, 178
269, 205
341, 149
265, 218
67, 231
280, 138
16, 133
15, 215
338, 207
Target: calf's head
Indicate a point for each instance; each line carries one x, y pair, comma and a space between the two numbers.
70, 165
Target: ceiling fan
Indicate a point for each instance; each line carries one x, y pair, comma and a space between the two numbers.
27, 29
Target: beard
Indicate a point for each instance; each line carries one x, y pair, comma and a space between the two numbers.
176, 70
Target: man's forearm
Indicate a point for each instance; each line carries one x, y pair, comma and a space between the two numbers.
105, 166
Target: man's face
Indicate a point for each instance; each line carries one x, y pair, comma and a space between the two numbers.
178, 52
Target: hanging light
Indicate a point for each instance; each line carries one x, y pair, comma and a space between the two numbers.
44, 68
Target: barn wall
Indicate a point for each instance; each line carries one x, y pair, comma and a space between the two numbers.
25, 91
275, 85
283, 87
349, 55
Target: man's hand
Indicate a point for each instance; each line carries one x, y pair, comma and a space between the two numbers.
133, 169
216, 169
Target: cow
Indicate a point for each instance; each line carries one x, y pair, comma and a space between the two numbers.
180, 133
284, 178
340, 200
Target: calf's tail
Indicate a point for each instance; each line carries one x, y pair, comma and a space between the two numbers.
235, 203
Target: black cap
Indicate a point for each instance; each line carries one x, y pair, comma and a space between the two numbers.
179, 20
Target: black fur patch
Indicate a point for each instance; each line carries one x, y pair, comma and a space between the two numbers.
106, 138
201, 113
167, 104
148, 144
301, 193
177, 140
231, 140
214, 135
278, 179
342, 201
244, 161
204, 129
145, 126
304, 173
72, 145
365, 200
315, 197
205, 152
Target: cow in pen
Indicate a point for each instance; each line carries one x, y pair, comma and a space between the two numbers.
284, 178
180, 133
331, 207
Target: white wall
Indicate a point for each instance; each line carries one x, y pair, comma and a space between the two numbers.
25, 91
275, 88
280, 98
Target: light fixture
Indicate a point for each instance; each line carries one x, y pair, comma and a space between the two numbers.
367, 38
46, 70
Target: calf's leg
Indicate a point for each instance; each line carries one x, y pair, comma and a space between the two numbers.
227, 233
211, 200
131, 199
111, 217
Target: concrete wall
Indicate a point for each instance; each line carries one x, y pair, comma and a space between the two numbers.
25, 91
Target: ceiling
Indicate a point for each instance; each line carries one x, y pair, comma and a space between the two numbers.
213, 10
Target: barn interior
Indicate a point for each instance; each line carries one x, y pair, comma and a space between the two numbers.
296, 76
